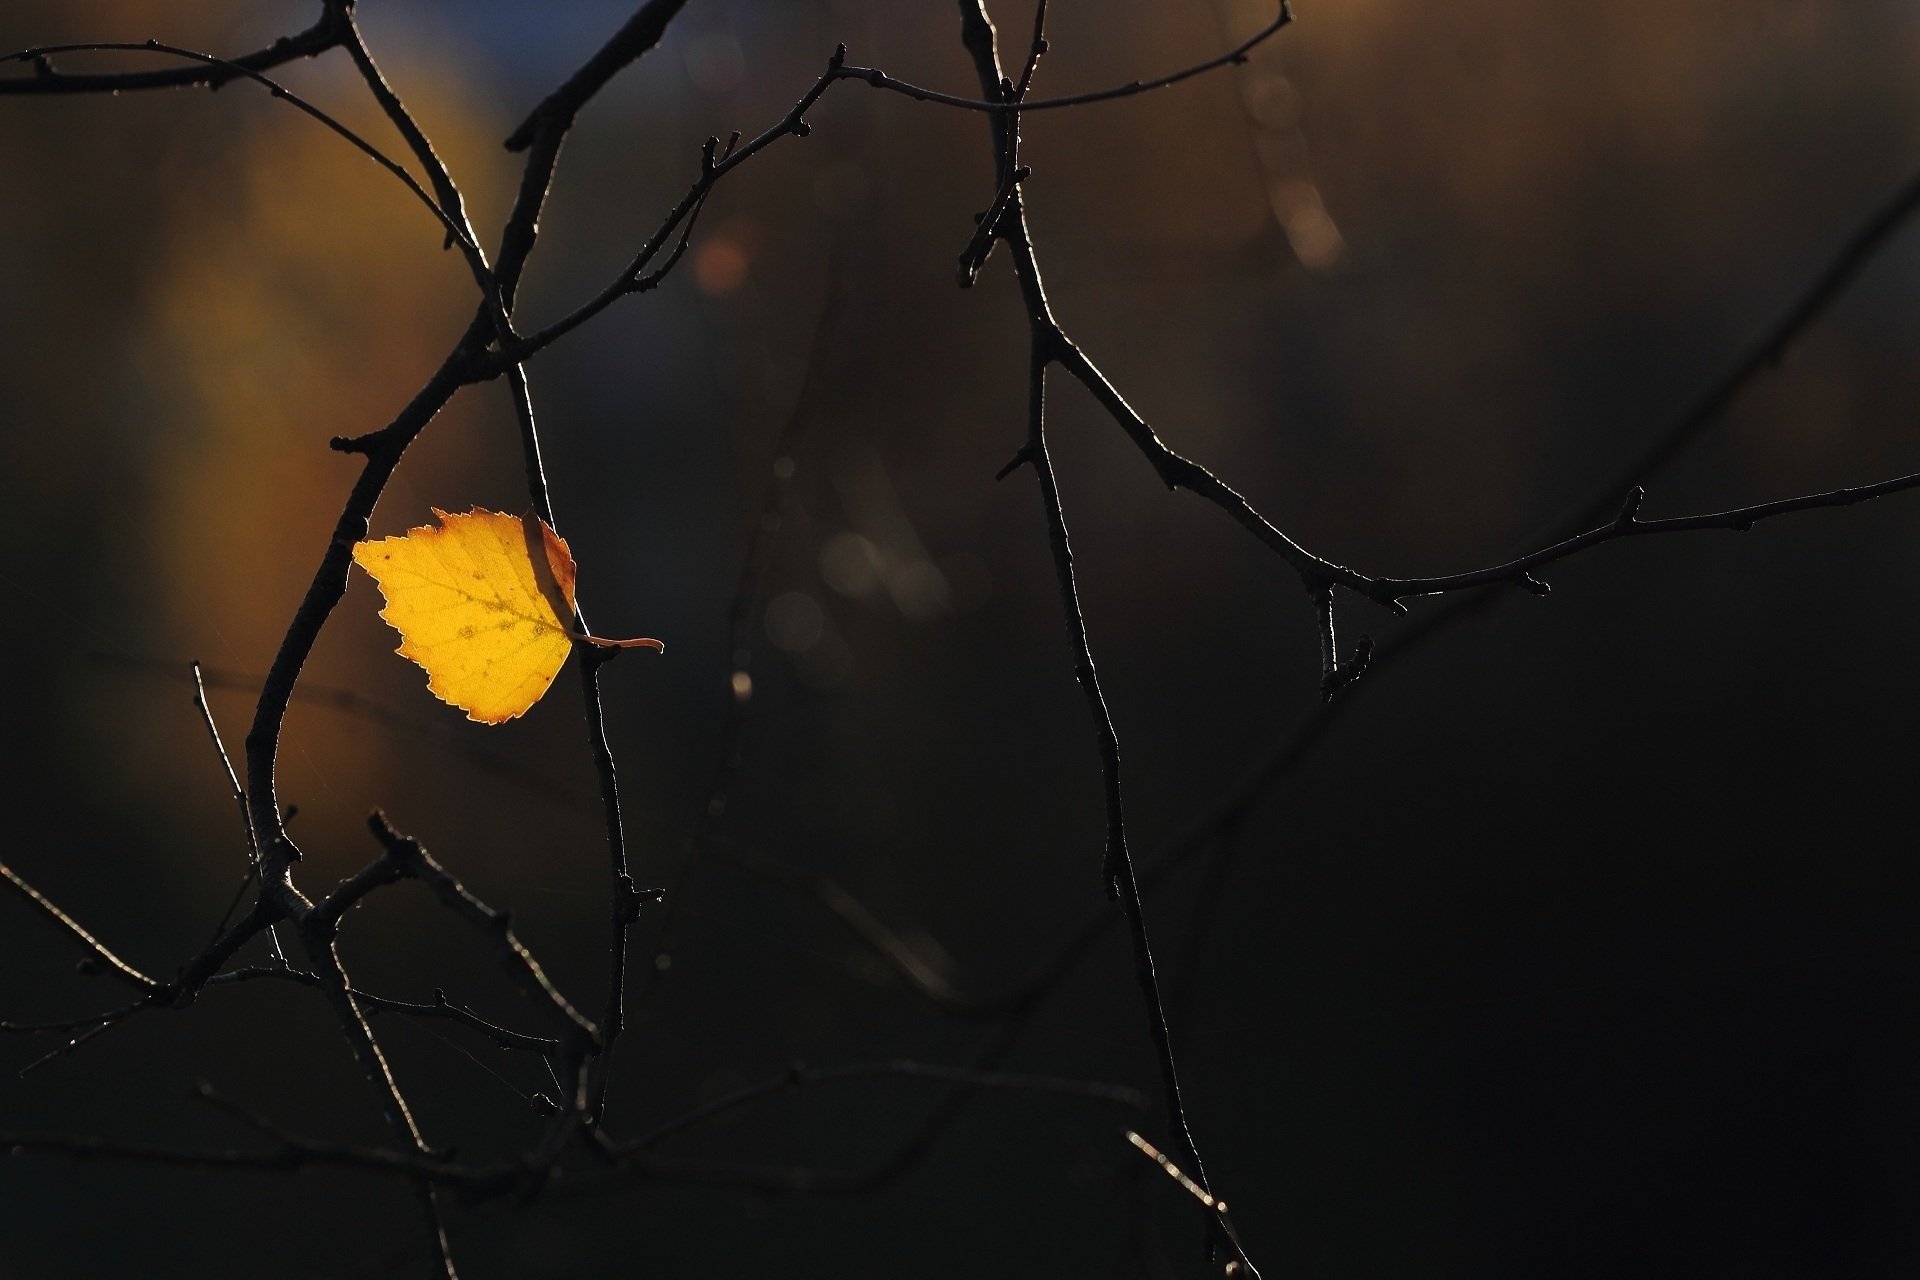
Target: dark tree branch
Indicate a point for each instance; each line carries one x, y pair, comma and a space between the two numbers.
624, 898
800, 1075
413, 862
580, 1058
1004, 106
1763, 356
226, 763
115, 965
634, 277
1178, 472
240, 801
74, 1024
317, 935
441, 1007
541, 134
1297, 745
555, 114
1048, 342
328, 31
1213, 1205
1628, 525
453, 229
444, 187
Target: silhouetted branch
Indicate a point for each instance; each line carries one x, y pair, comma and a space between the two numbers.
634, 278
1001, 106
580, 1057
360, 144
1627, 525
407, 859
800, 1075
444, 187
240, 801
440, 1008
115, 965
1048, 342
74, 1024
556, 112
329, 30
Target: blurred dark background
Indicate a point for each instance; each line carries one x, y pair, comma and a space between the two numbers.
1582, 944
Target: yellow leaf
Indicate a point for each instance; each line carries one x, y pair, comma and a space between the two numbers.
485, 604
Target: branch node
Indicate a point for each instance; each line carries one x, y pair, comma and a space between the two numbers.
1345, 673
626, 903
1021, 458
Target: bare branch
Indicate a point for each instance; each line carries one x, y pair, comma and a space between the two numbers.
414, 862
379, 157
1232, 57
1626, 525
635, 39
328, 31
115, 965
451, 203
74, 1024
1048, 342
441, 1007
800, 1075
633, 277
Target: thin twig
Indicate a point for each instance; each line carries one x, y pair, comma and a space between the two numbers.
712, 171
118, 967
1214, 1205
624, 897
240, 801
71, 1024
444, 187
1049, 343
416, 863
441, 1007
1628, 525
800, 1074
1001, 106
327, 32
281, 92
324, 962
